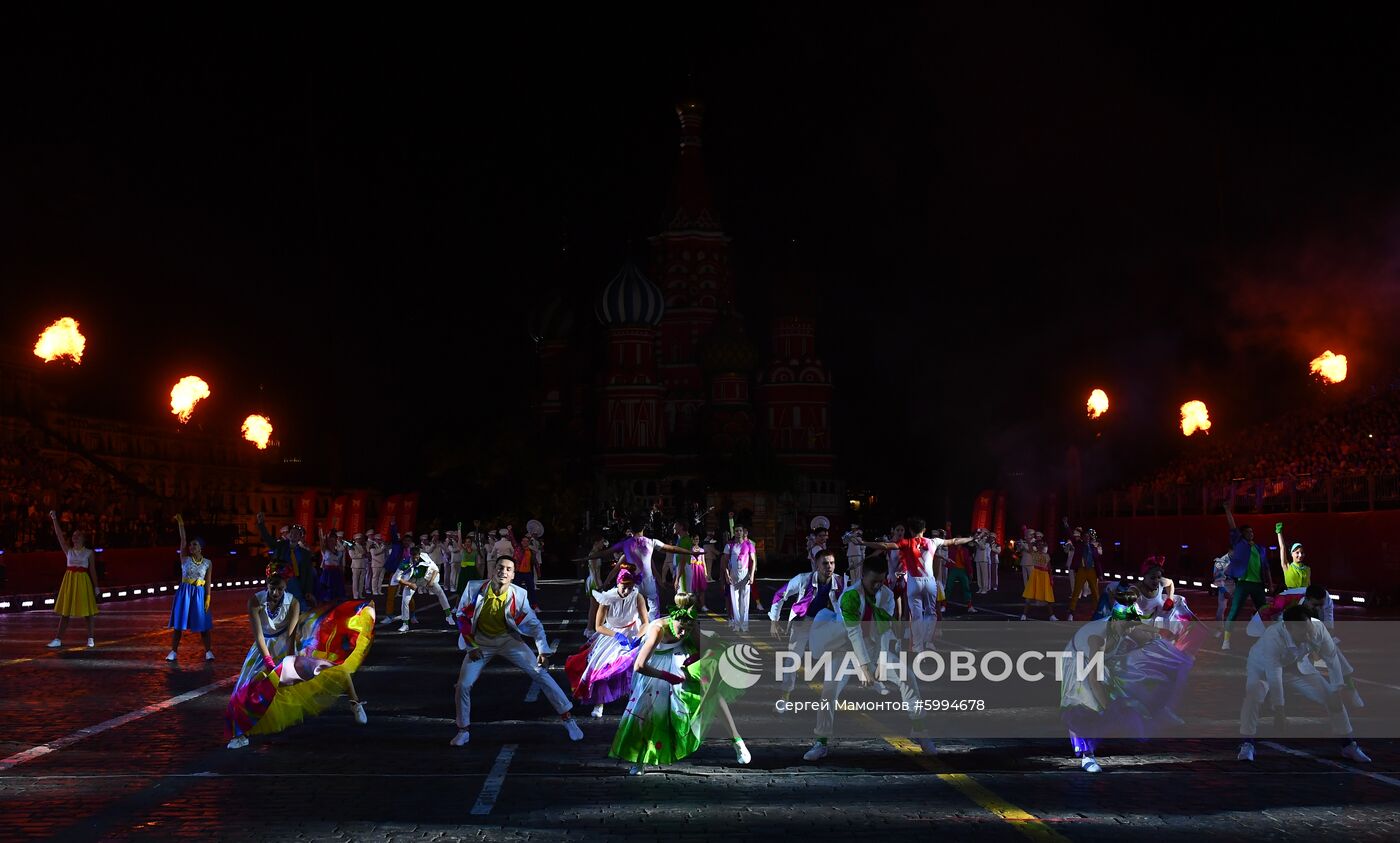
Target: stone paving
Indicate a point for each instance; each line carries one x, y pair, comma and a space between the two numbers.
167, 775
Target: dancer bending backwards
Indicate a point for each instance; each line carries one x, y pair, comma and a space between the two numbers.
299, 665
676, 692
492, 618
1146, 667
602, 671
861, 624
77, 594
190, 609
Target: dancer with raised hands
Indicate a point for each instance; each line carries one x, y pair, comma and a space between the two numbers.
77, 593
190, 608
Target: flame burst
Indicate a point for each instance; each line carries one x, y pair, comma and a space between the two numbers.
1098, 403
1331, 367
1194, 417
257, 429
61, 339
185, 394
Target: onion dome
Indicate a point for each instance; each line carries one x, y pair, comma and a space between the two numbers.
553, 319
630, 299
727, 349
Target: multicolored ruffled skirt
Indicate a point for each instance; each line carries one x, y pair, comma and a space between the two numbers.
664, 723
602, 672
332, 643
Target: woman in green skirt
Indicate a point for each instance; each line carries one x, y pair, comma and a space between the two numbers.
676, 692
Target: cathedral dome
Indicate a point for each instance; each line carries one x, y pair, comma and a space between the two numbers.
630, 299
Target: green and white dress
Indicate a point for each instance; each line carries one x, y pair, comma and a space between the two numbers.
664, 723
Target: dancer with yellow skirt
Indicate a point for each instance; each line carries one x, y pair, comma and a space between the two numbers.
77, 594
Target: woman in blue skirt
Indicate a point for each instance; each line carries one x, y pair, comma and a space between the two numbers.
191, 609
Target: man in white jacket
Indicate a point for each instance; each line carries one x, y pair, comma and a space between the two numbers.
493, 617
1282, 661
423, 576
809, 594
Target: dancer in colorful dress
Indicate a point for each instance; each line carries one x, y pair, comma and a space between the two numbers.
740, 571
77, 594
190, 609
297, 667
810, 594
861, 623
492, 617
602, 671
676, 692
1039, 590
1145, 672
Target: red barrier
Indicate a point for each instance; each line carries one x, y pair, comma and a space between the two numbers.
37, 573
1348, 551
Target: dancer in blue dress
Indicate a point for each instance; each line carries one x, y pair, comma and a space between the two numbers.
190, 611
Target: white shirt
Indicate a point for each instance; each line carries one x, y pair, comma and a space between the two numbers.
502, 547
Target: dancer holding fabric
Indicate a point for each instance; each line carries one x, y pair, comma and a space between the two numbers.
602, 671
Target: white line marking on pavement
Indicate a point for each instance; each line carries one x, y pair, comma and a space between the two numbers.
1334, 764
131, 716
491, 788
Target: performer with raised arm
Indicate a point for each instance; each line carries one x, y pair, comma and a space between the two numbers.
190, 608
77, 593
492, 618
916, 560
1296, 574
1252, 574
639, 550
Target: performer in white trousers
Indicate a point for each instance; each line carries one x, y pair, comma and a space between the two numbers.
453, 547
359, 566
740, 570
1282, 661
378, 552
809, 594
639, 549
982, 556
917, 559
493, 617
860, 622
423, 577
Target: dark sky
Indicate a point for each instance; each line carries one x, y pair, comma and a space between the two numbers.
995, 211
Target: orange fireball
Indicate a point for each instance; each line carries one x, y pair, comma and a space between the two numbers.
257, 429
61, 339
185, 394
1332, 368
1098, 403
1194, 417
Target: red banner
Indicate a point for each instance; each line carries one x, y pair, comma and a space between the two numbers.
390, 512
339, 506
356, 522
982, 510
306, 512
408, 520
999, 517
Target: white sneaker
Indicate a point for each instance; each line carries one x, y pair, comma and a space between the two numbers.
403, 627
1053, 618
597, 711
359, 708
927, 745
971, 610
170, 657
1023, 616
238, 742
1353, 699
1246, 752
1225, 643
1353, 752
575, 733
817, 752
54, 644
741, 753
461, 739
209, 655
1089, 764
634, 770
387, 621
92, 643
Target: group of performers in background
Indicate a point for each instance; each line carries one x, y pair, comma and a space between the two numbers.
308, 638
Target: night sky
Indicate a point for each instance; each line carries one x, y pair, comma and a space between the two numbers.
345, 222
